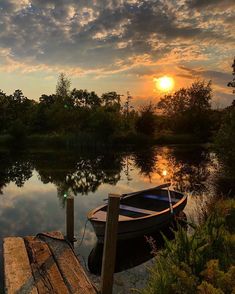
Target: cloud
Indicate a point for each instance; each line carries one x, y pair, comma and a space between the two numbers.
113, 37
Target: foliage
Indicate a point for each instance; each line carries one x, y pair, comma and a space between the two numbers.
18, 131
63, 86
187, 116
83, 98
188, 109
105, 123
225, 139
198, 263
111, 99
146, 121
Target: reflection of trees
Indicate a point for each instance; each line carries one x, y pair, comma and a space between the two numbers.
71, 173
145, 160
14, 167
187, 169
190, 168
90, 173
79, 174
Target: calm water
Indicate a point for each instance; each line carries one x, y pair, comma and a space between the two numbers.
33, 186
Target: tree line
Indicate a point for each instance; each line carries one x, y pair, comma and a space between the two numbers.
187, 111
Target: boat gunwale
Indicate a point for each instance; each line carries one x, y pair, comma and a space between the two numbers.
93, 211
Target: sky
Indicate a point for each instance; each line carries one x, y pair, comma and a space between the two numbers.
116, 45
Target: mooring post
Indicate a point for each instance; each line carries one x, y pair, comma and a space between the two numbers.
109, 253
70, 219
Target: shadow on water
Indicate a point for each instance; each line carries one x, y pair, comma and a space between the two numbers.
133, 252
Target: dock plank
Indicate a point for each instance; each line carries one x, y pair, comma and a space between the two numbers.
72, 272
18, 276
46, 273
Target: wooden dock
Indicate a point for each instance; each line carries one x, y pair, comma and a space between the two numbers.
43, 264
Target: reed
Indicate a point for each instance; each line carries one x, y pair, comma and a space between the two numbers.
200, 262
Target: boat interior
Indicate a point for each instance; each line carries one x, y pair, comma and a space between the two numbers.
145, 203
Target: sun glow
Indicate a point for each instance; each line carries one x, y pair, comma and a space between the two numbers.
164, 84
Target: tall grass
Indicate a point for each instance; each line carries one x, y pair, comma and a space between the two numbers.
202, 262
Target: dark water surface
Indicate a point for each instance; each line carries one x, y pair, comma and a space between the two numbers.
33, 186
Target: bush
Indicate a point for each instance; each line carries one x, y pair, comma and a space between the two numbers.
18, 131
225, 139
198, 263
146, 121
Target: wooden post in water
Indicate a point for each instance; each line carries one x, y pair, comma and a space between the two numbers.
109, 253
70, 219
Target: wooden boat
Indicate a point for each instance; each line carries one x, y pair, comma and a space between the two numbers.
141, 212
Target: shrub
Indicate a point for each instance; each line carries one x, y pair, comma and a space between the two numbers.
225, 139
18, 131
146, 122
198, 263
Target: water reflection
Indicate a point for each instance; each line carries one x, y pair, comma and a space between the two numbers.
15, 167
146, 161
133, 252
188, 169
78, 174
33, 185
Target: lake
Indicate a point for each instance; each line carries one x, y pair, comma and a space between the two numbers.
34, 185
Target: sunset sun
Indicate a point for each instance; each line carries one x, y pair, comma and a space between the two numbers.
164, 83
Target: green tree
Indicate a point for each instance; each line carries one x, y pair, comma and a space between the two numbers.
83, 98
47, 100
146, 121
225, 138
63, 86
4, 102
111, 100
104, 123
20, 109
188, 110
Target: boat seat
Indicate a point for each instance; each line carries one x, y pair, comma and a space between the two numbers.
136, 209
162, 198
102, 215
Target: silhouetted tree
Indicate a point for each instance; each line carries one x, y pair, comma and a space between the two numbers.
232, 83
63, 86
83, 98
146, 121
4, 104
188, 109
47, 100
225, 138
111, 99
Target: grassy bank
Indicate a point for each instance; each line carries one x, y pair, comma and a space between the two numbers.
94, 140
200, 262
171, 138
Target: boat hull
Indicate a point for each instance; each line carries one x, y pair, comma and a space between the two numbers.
138, 227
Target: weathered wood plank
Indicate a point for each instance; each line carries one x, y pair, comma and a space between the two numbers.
72, 272
45, 271
17, 270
